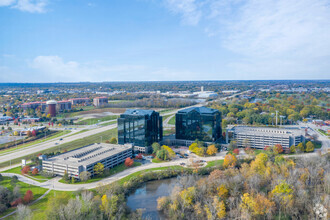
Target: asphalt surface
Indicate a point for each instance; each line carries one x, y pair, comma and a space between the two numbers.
51, 143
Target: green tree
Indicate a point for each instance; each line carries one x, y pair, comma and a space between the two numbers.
65, 176
155, 147
98, 169
113, 140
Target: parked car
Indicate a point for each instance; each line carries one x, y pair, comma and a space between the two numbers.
182, 164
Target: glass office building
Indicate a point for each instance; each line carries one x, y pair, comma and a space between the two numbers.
200, 123
141, 128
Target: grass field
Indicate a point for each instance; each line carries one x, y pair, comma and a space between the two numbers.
96, 138
92, 121
169, 132
37, 177
323, 132
156, 160
172, 121
214, 163
37, 191
41, 140
108, 123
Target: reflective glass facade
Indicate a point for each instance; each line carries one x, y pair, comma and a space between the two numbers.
199, 123
140, 127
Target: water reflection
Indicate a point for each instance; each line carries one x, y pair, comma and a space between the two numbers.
146, 197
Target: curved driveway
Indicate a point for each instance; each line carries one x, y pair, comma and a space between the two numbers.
55, 185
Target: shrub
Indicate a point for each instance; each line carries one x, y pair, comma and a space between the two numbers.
28, 196
25, 170
129, 162
35, 171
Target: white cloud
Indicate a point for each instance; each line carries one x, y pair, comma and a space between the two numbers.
188, 9
6, 2
32, 6
55, 69
290, 33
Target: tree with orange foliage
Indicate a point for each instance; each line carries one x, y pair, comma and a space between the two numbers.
229, 161
278, 149
236, 151
25, 170
129, 162
35, 171
28, 196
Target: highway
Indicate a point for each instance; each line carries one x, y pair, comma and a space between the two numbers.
51, 143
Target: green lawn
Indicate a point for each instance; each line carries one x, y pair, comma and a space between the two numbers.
37, 177
79, 132
169, 132
164, 111
109, 123
172, 121
37, 191
41, 140
92, 121
40, 207
96, 138
156, 160
214, 163
113, 171
323, 132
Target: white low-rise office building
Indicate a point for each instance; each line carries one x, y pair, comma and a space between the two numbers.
85, 158
259, 137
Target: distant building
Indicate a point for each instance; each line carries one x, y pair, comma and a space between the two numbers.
63, 105
41, 106
52, 107
205, 94
259, 137
80, 101
200, 123
100, 101
141, 128
85, 158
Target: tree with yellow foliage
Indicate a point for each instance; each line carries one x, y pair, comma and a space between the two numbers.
229, 161
222, 191
212, 150
256, 205
188, 196
220, 208
171, 153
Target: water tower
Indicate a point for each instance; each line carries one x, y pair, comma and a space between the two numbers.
51, 107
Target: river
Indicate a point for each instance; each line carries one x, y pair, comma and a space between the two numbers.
145, 197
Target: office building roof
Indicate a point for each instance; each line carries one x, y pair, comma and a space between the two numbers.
201, 110
268, 131
141, 112
89, 154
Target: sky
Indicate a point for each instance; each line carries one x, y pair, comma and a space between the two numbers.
163, 40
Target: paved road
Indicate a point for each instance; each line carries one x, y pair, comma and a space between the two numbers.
166, 122
51, 143
55, 185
